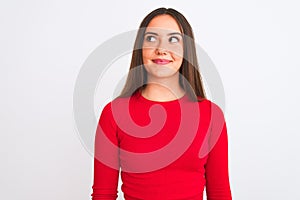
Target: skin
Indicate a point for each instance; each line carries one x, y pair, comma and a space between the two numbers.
163, 40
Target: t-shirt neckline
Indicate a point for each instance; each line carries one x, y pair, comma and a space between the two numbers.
144, 99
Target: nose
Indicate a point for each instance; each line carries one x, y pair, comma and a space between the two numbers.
161, 51
162, 47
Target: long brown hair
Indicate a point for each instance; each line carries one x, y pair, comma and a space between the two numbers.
192, 82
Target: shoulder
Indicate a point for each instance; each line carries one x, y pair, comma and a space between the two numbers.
116, 108
212, 107
115, 103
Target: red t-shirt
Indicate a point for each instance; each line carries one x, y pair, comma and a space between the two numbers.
165, 150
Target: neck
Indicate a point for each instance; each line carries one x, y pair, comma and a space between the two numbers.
163, 89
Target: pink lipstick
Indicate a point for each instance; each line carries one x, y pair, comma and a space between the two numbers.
161, 61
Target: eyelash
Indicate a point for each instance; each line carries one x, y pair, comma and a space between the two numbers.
175, 38
148, 38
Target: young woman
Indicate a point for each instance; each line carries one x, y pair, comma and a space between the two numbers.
168, 139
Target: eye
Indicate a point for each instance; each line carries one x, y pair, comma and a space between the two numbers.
151, 38
173, 39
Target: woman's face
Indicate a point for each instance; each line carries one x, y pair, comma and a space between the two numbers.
162, 47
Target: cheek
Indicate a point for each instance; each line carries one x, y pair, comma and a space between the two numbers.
177, 51
146, 53
177, 56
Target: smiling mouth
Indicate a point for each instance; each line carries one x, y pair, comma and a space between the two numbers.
161, 61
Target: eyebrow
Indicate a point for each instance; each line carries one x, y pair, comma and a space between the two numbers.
153, 33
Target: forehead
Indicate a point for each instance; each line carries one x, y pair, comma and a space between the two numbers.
163, 24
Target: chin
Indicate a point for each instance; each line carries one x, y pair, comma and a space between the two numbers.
163, 74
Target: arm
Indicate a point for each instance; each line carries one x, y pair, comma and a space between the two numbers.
106, 158
216, 168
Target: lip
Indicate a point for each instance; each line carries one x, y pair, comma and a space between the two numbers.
161, 61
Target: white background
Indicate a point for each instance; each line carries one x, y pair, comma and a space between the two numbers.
253, 44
